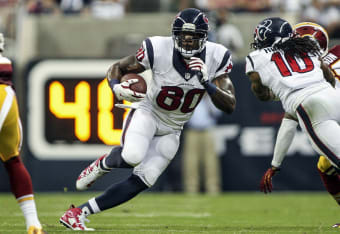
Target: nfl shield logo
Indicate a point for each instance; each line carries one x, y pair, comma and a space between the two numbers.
187, 76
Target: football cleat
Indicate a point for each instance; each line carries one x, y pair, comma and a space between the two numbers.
74, 218
337, 225
90, 174
35, 230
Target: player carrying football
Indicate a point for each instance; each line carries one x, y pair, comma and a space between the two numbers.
10, 144
329, 174
184, 68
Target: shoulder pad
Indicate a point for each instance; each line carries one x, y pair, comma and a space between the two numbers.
335, 50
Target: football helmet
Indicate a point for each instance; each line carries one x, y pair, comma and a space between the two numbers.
2, 42
190, 32
315, 31
271, 31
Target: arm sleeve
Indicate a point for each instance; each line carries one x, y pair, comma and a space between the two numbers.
145, 54
249, 65
225, 65
284, 139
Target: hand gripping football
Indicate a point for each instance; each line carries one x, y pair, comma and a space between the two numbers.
140, 86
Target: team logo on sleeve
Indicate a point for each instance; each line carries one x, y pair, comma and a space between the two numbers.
140, 54
229, 67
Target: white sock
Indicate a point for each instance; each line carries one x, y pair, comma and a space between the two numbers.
28, 208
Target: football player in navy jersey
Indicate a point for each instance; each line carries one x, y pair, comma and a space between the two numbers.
10, 145
328, 173
184, 68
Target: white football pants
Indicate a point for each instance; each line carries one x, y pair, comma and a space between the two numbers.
148, 144
319, 118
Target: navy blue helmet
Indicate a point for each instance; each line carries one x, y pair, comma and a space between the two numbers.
190, 32
271, 31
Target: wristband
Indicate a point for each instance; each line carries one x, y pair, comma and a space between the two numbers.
113, 82
276, 168
210, 87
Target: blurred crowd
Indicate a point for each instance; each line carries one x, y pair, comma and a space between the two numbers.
323, 12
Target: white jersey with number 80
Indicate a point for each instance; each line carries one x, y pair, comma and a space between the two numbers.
174, 90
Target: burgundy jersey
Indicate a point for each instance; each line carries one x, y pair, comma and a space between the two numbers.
6, 71
332, 59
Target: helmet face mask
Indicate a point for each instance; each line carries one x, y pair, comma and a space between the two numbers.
190, 32
316, 32
189, 43
271, 31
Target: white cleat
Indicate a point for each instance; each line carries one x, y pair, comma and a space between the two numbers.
90, 174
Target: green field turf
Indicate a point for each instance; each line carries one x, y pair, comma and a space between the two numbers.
177, 213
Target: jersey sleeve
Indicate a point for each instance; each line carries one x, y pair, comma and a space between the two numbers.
145, 54
225, 65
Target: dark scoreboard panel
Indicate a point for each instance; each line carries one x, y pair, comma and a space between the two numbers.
71, 113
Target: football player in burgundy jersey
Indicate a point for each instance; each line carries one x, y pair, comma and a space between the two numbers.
328, 172
184, 68
10, 144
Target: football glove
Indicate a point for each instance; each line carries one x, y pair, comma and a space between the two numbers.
123, 91
266, 185
198, 65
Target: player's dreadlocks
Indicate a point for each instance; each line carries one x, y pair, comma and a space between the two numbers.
299, 47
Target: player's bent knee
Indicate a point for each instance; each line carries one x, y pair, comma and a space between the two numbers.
325, 166
148, 176
168, 146
13, 161
132, 157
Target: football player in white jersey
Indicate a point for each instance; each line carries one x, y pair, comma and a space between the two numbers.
288, 67
184, 68
328, 173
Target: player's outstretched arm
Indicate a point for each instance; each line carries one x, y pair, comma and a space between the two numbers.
284, 139
224, 96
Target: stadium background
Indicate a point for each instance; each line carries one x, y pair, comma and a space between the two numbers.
245, 139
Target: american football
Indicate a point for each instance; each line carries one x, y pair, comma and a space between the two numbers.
140, 86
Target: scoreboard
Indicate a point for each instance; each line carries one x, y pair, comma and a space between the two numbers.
70, 110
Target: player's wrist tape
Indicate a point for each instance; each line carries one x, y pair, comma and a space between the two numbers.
210, 87
276, 168
113, 82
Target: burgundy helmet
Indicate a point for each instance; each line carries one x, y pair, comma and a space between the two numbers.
315, 31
